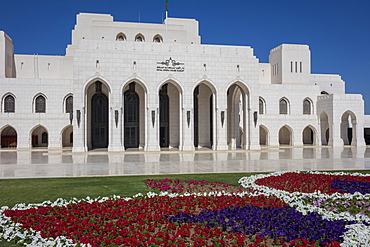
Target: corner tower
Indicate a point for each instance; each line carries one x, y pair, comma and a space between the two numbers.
7, 67
290, 64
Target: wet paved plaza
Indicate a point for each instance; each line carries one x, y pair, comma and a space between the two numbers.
42, 163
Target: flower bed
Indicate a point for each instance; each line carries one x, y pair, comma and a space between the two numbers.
265, 213
306, 196
192, 186
311, 182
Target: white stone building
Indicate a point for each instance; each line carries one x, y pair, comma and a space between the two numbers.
150, 86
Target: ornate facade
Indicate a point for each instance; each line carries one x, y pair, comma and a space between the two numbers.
150, 86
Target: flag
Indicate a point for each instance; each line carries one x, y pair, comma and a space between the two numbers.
166, 5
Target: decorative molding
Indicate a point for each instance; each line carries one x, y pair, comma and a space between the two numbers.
78, 118
255, 118
188, 117
153, 118
170, 65
116, 114
222, 118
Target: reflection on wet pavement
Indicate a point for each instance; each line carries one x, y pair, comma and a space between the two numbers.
58, 163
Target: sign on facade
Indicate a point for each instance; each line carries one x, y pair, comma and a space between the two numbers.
170, 65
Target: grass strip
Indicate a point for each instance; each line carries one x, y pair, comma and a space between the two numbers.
37, 190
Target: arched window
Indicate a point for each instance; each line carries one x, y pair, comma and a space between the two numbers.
261, 106
121, 37
44, 137
139, 38
69, 104
9, 104
40, 104
283, 106
306, 107
157, 39
324, 92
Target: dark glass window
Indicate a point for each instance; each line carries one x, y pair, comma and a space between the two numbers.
40, 104
44, 137
306, 107
157, 39
139, 38
9, 104
283, 107
261, 107
69, 104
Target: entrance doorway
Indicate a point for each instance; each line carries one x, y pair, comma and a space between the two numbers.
8, 137
203, 116
99, 120
131, 117
308, 136
164, 106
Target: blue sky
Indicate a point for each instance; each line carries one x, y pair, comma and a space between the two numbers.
337, 31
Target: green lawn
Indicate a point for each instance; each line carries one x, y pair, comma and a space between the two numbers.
13, 191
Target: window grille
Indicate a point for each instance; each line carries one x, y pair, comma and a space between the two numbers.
306, 107
9, 104
40, 104
283, 107
69, 104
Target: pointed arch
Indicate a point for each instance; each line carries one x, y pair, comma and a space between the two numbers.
139, 38
8, 136
68, 103
134, 103
170, 108
138, 81
173, 81
284, 106
39, 136
264, 135
121, 37
67, 136
40, 103
261, 105
309, 135
157, 38
237, 117
241, 83
90, 81
204, 102
97, 99
286, 135
348, 127
208, 83
8, 102
307, 106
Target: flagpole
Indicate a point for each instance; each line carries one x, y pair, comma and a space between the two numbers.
166, 19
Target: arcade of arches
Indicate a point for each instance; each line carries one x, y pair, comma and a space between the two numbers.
171, 119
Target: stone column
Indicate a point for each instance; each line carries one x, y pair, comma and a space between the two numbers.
115, 130
152, 130
79, 131
23, 140
334, 136
54, 139
187, 129
357, 134
254, 131
221, 129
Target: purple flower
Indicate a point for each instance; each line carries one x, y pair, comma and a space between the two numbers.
285, 222
351, 186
